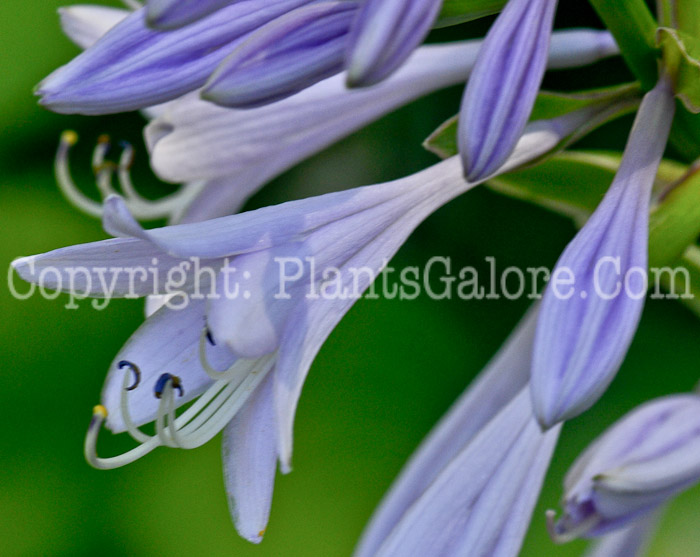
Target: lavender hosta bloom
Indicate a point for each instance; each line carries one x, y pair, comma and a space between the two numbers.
384, 35
502, 89
644, 459
226, 155
284, 57
170, 14
586, 326
353, 229
133, 67
194, 140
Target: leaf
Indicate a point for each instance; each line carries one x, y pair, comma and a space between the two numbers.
681, 53
675, 222
455, 12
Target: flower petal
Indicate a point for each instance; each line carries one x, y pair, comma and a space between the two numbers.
481, 502
284, 57
110, 268
250, 462
168, 341
170, 14
84, 25
384, 35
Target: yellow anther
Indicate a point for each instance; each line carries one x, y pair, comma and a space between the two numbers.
104, 138
262, 532
100, 411
69, 137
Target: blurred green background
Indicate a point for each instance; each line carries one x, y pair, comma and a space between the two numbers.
382, 380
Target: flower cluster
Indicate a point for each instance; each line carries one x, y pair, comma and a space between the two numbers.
237, 91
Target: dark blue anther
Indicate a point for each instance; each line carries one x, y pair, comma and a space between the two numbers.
210, 338
135, 370
163, 381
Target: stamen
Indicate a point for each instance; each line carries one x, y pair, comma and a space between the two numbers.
199, 423
66, 183
170, 206
215, 374
99, 414
561, 535
134, 431
135, 370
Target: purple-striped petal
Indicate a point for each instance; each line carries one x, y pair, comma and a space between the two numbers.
585, 329
502, 89
170, 14
284, 57
384, 35
133, 67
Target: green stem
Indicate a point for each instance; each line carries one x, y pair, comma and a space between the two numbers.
634, 29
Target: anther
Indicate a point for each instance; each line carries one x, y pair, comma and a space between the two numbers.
210, 338
99, 411
69, 137
135, 370
163, 381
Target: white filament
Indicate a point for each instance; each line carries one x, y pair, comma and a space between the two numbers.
170, 206
195, 426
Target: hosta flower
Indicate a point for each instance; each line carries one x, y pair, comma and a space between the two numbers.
586, 325
502, 89
226, 154
647, 457
218, 351
471, 486
384, 35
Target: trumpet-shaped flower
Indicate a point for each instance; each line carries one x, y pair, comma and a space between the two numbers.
219, 349
647, 457
384, 35
586, 326
503, 87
